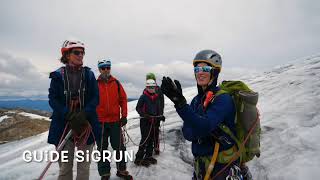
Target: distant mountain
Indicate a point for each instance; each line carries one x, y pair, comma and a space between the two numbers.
27, 104
131, 99
31, 104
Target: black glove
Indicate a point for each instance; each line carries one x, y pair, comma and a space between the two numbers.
79, 122
173, 91
70, 115
162, 118
123, 121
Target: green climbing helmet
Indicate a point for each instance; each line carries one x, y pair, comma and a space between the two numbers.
150, 76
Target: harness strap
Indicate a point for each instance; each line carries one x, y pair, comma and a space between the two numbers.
237, 154
227, 130
66, 86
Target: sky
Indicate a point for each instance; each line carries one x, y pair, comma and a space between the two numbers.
151, 36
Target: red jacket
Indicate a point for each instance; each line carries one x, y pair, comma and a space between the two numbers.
112, 97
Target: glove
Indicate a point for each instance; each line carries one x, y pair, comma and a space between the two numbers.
70, 115
162, 118
173, 91
123, 121
79, 122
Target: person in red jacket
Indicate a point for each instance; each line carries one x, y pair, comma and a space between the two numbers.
112, 114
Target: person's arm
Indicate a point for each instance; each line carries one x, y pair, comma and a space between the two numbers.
123, 102
187, 132
187, 128
203, 125
54, 95
139, 106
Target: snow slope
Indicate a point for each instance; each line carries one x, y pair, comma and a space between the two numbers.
289, 107
289, 104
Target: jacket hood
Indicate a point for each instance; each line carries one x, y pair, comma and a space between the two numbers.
111, 78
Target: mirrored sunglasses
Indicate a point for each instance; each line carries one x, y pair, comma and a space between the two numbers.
202, 69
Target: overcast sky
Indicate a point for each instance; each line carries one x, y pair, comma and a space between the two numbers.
159, 36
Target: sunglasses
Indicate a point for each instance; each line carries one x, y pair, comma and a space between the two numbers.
77, 53
202, 69
105, 68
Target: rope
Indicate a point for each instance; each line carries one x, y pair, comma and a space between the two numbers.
235, 157
80, 141
125, 130
61, 144
101, 140
149, 133
162, 137
64, 132
213, 161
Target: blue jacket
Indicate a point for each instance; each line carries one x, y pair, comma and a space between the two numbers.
57, 101
200, 126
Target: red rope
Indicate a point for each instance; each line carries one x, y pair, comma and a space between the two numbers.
63, 134
81, 140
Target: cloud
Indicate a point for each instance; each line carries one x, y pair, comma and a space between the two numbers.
251, 34
157, 36
20, 77
133, 74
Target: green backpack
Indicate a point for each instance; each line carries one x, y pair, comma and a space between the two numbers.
247, 119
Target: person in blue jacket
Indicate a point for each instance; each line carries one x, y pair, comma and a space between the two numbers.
73, 97
202, 118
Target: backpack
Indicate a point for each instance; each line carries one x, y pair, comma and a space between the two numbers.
247, 119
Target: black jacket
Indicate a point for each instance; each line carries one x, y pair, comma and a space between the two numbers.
151, 104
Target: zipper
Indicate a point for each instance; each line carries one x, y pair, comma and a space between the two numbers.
79, 91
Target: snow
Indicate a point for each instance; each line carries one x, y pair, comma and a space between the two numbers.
3, 118
289, 106
11, 112
34, 116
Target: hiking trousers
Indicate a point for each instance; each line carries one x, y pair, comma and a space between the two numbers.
156, 136
147, 139
114, 132
65, 172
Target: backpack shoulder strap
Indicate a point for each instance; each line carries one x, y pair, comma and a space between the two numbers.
221, 91
118, 83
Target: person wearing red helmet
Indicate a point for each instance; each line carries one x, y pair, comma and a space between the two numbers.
73, 97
